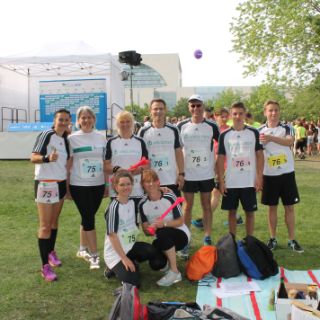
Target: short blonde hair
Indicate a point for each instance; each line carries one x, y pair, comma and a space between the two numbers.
125, 115
85, 109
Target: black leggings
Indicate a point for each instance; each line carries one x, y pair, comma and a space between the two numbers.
87, 200
170, 237
140, 252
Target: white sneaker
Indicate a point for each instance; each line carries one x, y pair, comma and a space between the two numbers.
94, 262
84, 254
169, 278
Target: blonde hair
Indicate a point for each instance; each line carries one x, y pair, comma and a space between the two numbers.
125, 115
82, 110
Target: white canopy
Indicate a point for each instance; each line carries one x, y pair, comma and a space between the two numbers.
60, 59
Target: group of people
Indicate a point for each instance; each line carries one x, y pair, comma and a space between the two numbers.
218, 159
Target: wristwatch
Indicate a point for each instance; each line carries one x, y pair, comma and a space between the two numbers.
181, 174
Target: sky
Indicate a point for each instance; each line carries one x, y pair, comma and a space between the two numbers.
147, 26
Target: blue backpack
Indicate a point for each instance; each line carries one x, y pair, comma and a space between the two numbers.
256, 258
248, 266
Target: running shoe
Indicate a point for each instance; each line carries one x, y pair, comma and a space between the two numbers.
272, 243
198, 223
207, 241
53, 259
169, 278
108, 273
48, 274
294, 246
239, 222
184, 253
94, 262
84, 254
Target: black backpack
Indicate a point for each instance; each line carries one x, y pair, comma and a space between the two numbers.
227, 264
261, 256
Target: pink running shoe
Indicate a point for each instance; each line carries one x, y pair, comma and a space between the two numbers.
48, 274
53, 259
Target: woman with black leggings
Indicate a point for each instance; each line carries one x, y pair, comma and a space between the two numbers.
122, 251
172, 234
87, 180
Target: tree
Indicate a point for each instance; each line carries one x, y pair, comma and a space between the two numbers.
181, 108
260, 95
279, 36
138, 112
306, 102
227, 97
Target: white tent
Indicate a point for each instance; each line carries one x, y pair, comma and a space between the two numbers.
20, 75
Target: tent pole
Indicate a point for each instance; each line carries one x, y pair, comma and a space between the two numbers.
29, 118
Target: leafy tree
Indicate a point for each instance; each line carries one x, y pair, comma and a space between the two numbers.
280, 36
227, 97
181, 108
138, 112
260, 95
306, 102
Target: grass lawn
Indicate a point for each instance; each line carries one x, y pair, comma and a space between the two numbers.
83, 294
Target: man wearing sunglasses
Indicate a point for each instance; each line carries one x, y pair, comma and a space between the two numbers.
197, 136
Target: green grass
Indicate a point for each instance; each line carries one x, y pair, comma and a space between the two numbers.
84, 294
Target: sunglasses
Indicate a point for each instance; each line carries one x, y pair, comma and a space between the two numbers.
196, 105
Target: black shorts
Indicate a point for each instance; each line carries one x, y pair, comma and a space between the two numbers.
62, 185
247, 197
283, 186
195, 186
174, 188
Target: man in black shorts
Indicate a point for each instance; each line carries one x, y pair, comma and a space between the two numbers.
278, 174
239, 146
197, 134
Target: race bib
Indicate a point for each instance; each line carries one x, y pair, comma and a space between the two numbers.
129, 237
277, 160
48, 192
91, 168
241, 164
160, 162
197, 158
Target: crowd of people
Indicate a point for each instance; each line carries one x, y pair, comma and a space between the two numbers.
225, 156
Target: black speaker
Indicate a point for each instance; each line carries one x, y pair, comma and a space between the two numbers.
130, 57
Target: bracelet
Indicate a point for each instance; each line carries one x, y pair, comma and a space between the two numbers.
181, 174
115, 169
45, 159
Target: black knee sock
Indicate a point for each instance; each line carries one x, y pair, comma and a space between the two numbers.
53, 238
44, 248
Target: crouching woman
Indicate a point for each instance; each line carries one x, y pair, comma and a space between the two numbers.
172, 234
121, 250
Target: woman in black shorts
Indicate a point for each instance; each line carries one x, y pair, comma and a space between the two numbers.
50, 155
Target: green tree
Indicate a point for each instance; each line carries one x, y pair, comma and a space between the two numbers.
279, 36
226, 98
138, 112
260, 95
181, 108
306, 102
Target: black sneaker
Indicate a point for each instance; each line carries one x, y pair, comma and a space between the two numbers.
108, 274
239, 221
294, 246
272, 243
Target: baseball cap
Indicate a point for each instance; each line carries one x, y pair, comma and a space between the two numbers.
195, 97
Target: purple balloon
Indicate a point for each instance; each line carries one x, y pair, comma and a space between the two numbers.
198, 54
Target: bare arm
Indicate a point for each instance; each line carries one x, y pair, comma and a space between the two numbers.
259, 170
180, 165
220, 172
284, 141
